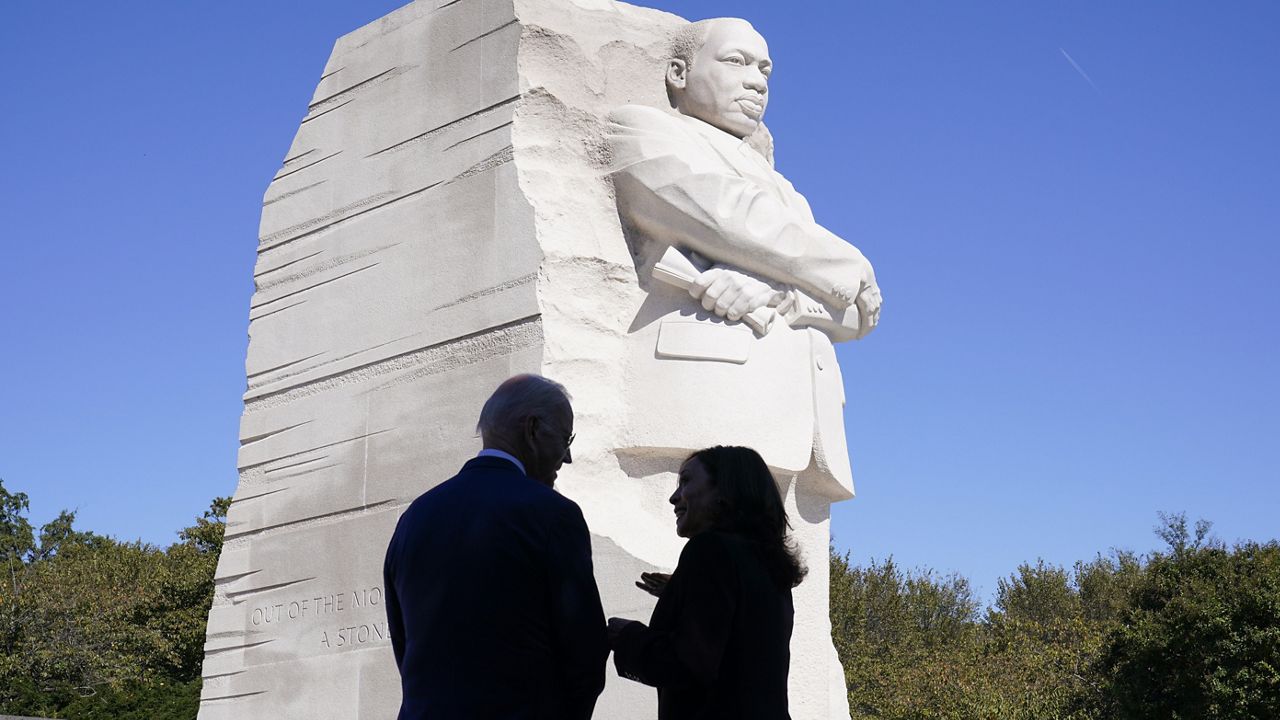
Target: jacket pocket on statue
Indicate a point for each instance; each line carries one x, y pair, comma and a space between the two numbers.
690, 339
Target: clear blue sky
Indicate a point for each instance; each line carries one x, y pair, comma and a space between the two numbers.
1073, 208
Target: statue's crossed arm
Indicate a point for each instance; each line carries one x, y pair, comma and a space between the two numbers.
673, 185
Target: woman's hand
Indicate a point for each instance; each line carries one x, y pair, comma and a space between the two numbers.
616, 626
654, 583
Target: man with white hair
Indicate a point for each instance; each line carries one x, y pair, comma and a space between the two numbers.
492, 606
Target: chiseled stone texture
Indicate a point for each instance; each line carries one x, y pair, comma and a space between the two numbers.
442, 221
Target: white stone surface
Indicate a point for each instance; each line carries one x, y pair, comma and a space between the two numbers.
445, 218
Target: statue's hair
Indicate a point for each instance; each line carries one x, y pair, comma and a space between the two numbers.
517, 398
689, 39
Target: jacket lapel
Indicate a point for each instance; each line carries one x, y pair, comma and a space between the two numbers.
745, 161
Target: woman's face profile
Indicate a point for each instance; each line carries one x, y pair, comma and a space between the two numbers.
695, 501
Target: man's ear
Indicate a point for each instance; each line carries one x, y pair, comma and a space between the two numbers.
677, 73
529, 431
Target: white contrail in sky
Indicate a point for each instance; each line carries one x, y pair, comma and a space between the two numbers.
1080, 70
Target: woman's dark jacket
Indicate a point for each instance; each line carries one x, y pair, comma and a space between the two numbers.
718, 645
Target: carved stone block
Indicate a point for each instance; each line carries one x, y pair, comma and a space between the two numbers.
444, 219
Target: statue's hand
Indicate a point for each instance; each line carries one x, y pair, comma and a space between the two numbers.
732, 294
868, 303
864, 294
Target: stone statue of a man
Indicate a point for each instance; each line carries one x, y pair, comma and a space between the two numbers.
706, 211
746, 295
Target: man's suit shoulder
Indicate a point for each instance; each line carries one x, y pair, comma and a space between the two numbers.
491, 491
643, 116
519, 489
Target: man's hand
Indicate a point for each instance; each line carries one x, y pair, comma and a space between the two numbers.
653, 583
732, 294
616, 626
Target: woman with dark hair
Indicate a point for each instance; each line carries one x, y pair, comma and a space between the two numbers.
718, 644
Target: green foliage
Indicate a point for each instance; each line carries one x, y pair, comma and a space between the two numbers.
1105, 585
913, 646
94, 627
1201, 638
16, 539
1193, 632
158, 700
1037, 595
206, 535
59, 533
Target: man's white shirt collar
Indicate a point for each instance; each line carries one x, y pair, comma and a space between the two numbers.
490, 452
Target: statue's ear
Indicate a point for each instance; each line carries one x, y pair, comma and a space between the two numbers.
677, 74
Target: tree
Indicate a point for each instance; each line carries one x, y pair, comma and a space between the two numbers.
100, 628
58, 533
1105, 585
206, 535
1039, 595
1201, 638
908, 640
1043, 640
913, 647
17, 542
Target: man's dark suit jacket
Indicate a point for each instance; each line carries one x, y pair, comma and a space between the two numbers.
718, 646
493, 608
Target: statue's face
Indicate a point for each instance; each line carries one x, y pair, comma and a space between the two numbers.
728, 83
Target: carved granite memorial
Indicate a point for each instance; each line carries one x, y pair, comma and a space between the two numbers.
486, 187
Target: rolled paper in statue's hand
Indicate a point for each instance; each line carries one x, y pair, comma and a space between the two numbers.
797, 310
674, 268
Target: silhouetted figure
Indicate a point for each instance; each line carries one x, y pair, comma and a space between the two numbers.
491, 601
718, 645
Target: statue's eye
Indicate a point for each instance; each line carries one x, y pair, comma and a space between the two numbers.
736, 60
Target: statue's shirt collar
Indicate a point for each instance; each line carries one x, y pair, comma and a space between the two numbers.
743, 158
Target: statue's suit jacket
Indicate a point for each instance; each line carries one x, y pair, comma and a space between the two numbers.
492, 606
701, 380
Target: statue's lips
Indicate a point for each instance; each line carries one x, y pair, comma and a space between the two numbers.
751, 105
